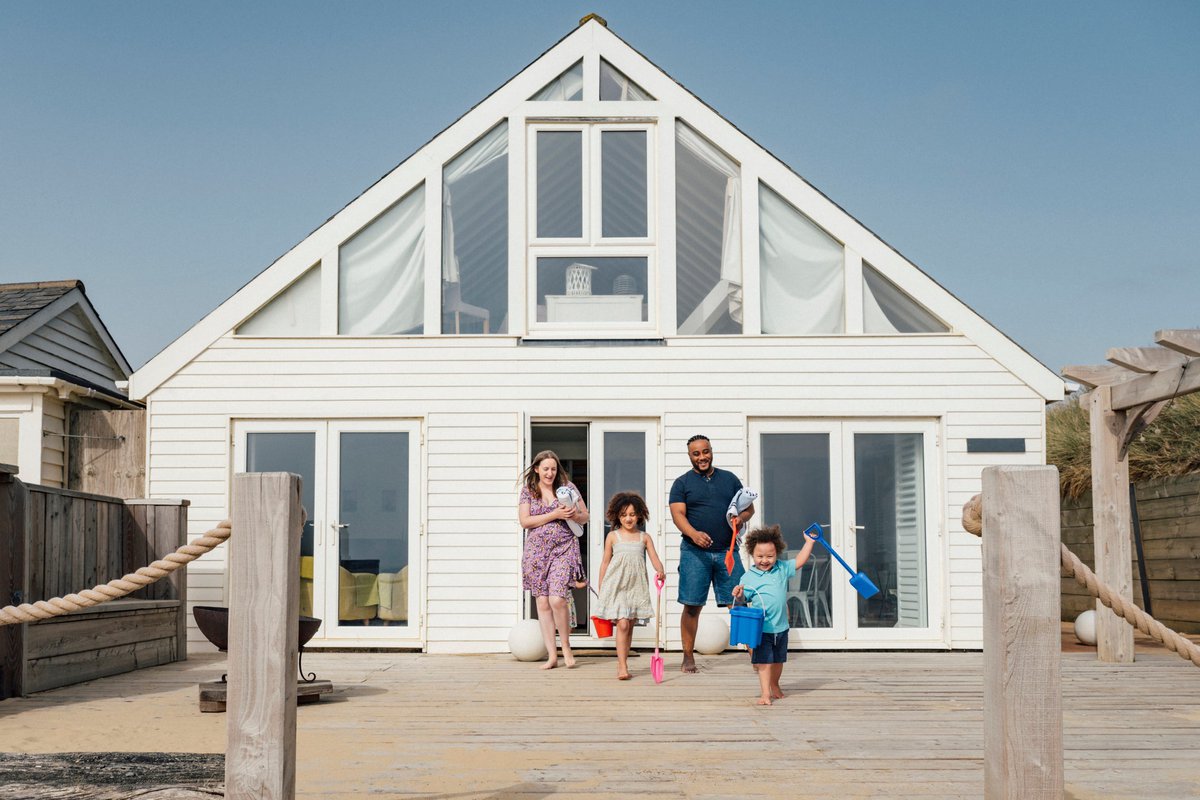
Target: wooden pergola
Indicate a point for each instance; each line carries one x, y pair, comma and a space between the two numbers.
1125, 397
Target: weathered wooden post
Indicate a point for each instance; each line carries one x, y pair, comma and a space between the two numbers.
1022, 695
264, 583
1111, 522
14, 578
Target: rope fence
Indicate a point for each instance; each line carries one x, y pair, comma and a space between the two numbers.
972, 521
119, 587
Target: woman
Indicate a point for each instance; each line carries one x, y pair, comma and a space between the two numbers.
551, 565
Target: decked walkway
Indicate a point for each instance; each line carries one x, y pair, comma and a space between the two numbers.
854, 725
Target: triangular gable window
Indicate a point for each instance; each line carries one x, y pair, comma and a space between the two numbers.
567, 86
296, 311
887, 309
802, 271
381, 273
614, 85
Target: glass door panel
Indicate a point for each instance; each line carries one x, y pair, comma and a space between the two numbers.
796, 493
373, 569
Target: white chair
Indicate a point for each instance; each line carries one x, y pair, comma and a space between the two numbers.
813, 595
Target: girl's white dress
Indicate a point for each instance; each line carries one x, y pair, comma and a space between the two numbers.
625, 593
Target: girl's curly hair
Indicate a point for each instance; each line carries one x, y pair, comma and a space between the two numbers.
619, 502
772, 534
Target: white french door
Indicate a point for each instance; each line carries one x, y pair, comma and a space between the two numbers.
872, 486
360, 565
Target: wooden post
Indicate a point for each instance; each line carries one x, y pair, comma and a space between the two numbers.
1111, 523
14, 577
1022, 696
264, 598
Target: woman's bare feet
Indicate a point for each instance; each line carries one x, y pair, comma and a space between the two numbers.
623, 676
551, 664
764, 701
569, 660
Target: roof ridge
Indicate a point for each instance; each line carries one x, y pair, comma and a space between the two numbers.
65, 284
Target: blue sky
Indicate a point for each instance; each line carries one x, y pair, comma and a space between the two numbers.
1040, 160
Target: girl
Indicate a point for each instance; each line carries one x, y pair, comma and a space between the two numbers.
624, 590
551, 564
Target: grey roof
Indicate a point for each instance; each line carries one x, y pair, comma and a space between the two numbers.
20, 301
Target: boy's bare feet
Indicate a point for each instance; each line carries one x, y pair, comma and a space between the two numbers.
764, 701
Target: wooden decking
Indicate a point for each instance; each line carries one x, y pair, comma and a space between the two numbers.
854, 725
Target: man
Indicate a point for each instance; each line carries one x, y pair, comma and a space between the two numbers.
698, 500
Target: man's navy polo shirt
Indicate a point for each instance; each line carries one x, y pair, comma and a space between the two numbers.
707, 498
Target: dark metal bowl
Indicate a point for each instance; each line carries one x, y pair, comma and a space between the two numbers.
213, 622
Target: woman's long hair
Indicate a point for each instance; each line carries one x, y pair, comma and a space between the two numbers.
530, 475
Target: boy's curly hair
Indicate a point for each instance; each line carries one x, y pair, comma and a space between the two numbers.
619, 502
771, 533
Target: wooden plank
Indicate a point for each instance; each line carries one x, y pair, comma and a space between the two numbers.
1144, 359
91, 534
1111, 523
1161, 385
76, 536
13, 578
108, 456
1023, 741
64, 670
1182, 340
72, 634
36, 544
1092, 375
264, 603
134, 547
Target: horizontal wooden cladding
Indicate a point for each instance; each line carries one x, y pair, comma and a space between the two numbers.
79, 633
63, 670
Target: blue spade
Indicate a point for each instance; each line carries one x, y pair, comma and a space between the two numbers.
858, 580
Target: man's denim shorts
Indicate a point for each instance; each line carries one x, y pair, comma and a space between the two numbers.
771, 650
699, 569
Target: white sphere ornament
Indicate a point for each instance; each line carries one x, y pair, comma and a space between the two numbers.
525, 641
1085, 627
712, 634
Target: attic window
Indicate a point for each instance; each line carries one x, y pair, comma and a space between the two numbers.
614, 85
802, 271
567, 86
887, 309
296, 311
381, 273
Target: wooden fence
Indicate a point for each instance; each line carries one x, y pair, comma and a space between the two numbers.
57, 541
1169, 515
107, 452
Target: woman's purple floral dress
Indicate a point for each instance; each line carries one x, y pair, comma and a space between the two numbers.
551, 562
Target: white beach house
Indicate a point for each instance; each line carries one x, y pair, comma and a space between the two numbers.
594, 260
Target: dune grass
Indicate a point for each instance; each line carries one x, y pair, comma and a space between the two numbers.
1169, 447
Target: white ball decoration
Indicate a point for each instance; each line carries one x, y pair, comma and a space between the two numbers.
525, 641
1085, 627
712, 635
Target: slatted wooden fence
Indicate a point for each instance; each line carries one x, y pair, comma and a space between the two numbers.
57, 541
1169, 513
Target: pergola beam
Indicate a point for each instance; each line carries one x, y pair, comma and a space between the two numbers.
1161, 385
1183, 340
1093, 375
1145, 359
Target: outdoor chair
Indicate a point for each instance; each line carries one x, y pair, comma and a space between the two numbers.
393, 596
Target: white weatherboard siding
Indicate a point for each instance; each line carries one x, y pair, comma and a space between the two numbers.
54, 442
471, 393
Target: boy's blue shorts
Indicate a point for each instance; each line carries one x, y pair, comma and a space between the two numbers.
771, 650
699, 569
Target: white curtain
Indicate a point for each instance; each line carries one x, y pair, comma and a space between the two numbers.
567, 86
296, 311
887, 309
381, 275
614, 85
731, 251
493, 146
802, 272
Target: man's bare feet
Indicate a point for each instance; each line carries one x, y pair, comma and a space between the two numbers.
689, 665
623, 676
764, 701
777, 693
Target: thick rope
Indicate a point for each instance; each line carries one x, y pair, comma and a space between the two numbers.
57, 606
972, 520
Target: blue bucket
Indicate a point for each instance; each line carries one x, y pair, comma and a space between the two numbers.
745, 626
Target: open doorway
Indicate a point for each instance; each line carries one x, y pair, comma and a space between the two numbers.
570, 442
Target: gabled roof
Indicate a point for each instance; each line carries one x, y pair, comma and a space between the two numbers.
51, 327
592, 42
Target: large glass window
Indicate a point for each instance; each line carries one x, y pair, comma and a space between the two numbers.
708, 258
559, 184
567, 86
802, 271
887, 309
614, 85
623, 182
592, 292
381, 276
296, 311
475, 237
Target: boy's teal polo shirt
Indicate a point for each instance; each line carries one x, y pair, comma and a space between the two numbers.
768, 591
